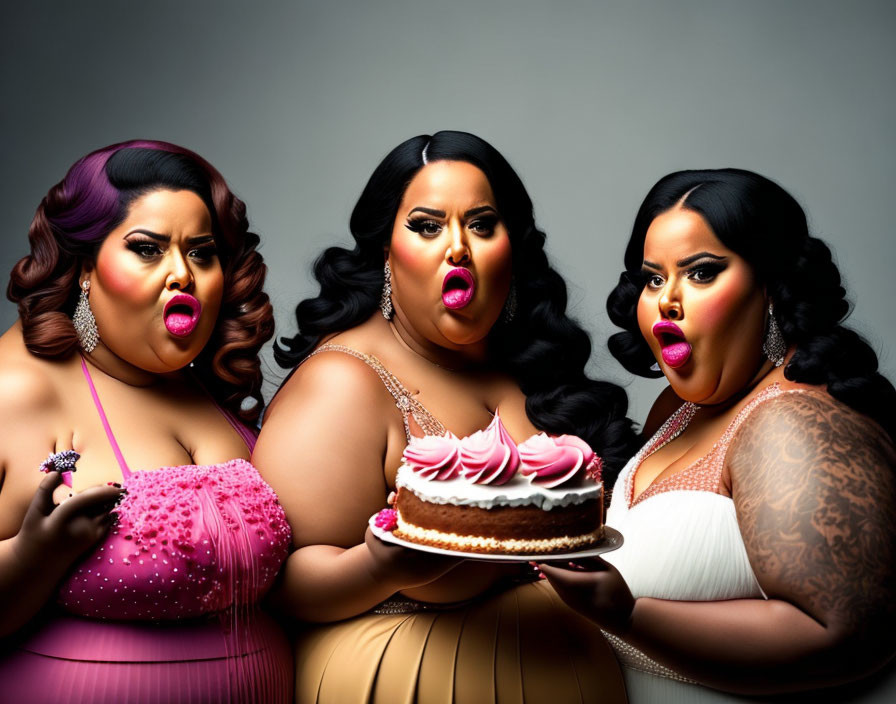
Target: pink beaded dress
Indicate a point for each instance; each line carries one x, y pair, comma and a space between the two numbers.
165, 608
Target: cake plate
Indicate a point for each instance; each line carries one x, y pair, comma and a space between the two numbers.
611, 541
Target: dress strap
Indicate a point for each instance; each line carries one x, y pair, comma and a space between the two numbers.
407, 404
247, 434
125, 470
704, 473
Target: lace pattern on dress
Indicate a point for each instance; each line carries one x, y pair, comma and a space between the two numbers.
404, 399
705, 473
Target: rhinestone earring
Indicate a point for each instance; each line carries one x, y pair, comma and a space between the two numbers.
386, 298
85, 323
773, 345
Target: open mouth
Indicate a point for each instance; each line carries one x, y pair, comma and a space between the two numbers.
182, 314
457, 288
676, 351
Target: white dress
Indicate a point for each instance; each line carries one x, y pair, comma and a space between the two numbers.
683, 542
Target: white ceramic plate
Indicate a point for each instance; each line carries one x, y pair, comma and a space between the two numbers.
611, 541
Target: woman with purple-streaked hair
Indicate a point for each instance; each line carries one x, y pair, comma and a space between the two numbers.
136, 539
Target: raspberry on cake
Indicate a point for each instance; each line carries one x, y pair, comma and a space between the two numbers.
483, 494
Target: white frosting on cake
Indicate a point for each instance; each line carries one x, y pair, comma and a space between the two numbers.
519, 491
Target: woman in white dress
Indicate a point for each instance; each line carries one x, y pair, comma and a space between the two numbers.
760, 547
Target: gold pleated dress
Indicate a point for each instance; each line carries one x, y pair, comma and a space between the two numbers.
520, 645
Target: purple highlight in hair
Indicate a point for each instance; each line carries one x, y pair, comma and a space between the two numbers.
94, 205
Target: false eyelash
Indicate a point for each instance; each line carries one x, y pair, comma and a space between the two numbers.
711, 269
145, 248
206, 253
487, 222
418, 225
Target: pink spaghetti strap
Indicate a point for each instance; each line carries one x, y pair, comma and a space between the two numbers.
248, 435
243, 430
125, 470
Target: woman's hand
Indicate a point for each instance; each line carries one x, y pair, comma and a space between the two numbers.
595, 589
51, 538
404, 567
66, 530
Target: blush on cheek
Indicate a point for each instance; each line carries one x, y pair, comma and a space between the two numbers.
725, 309
406, 255
120, 280
499, 251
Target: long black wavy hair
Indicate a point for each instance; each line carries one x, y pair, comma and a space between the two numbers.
764, 224
542, 348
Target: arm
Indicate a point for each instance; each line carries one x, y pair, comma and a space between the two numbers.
814, 491
322, 449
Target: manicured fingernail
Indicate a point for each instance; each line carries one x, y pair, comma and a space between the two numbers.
115, 484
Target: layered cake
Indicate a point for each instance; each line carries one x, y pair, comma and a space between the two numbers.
485, 494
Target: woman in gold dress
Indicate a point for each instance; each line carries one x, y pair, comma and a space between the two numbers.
445, 312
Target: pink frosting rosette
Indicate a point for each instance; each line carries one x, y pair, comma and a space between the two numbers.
552, 461
489, 456
434, 456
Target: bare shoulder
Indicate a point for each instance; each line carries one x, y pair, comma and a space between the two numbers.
665, 405
26, 387
332, 375
328, 432
814, 487
807, 426
333, 400
29, 399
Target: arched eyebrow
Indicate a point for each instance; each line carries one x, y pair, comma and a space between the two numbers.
481, 209
428, 211
441, 213
197, 239
687, 261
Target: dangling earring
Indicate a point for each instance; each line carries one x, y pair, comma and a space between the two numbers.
85, 323
386, 298
508, 313
773, 345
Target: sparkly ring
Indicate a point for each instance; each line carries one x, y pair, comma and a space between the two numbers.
62, 462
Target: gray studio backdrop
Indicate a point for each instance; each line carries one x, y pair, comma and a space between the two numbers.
296, 102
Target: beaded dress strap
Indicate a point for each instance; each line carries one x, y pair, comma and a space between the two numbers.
404, 400
704, 473
125, 470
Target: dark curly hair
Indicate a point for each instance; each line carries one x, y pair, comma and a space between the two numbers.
78, 213
764, 224
542, 348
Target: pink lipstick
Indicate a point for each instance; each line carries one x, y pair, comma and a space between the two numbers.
182, 314
676, 350
457, 288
